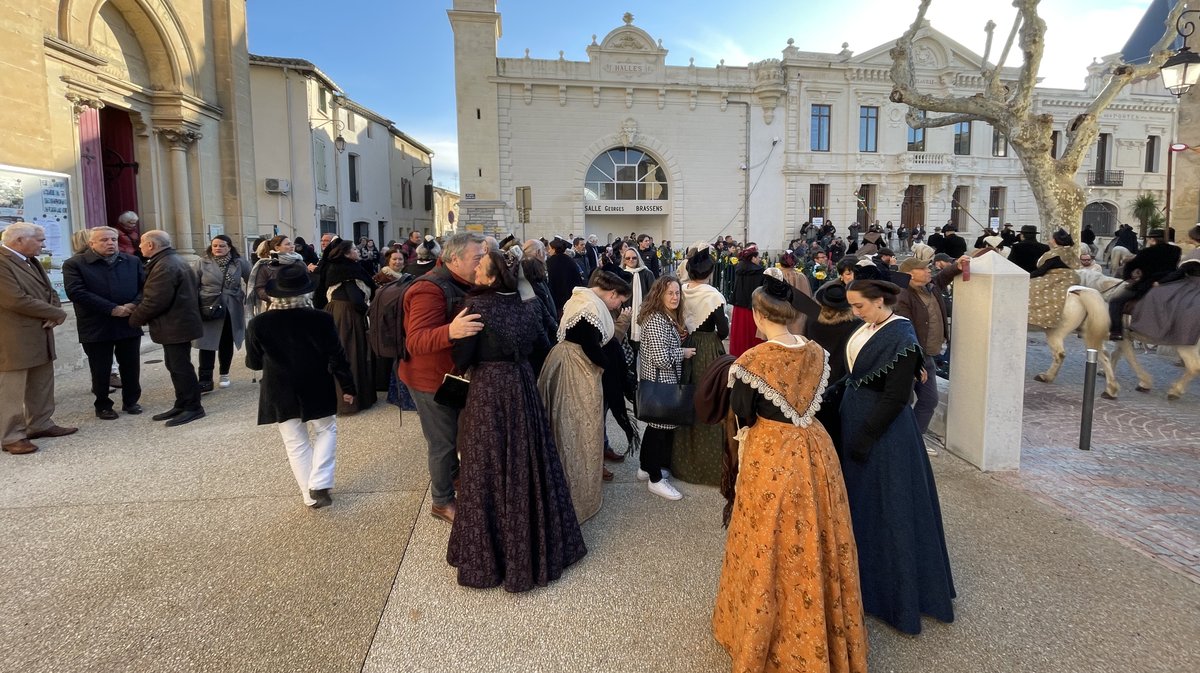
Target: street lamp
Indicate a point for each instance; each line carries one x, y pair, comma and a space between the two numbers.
339, 142
1182, 70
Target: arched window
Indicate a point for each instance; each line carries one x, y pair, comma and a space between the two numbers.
1103, 217
625, 174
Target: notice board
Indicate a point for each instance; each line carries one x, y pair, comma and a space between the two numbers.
42, 198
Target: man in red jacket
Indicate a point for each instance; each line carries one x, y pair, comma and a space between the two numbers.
433, 320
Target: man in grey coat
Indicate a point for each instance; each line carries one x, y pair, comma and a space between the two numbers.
170, 306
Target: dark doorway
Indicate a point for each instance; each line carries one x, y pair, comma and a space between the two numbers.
361, 230
120, 166
1102, 217
912, 210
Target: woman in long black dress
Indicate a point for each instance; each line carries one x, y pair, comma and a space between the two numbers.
902, 558
515, 524
347, 290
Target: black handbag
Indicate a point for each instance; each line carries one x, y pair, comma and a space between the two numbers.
453, 391
213, 308
666, 403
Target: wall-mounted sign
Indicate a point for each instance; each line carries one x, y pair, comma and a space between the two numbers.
470, 196
627, 207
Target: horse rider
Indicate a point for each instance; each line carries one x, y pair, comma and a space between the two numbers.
1147, 267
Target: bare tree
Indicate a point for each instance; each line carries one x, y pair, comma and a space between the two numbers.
1008, 107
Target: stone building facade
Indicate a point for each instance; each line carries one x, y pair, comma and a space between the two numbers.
143, 104
624, 142
374, 186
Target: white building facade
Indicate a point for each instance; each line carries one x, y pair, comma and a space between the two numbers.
324, 163
625, 143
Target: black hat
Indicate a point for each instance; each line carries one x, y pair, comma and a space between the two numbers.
948, 228
942, 257
886, 252
291, 281
1156, 233
700, 265
833, 295
1029, 229
1062, 237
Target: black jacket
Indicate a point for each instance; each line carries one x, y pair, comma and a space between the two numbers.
955, 246
1026, 254
170, 300
747, 277
650, 259
563, 277
1154, 262
96, 287
299, 353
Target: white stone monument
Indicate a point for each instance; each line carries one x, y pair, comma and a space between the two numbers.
987, 364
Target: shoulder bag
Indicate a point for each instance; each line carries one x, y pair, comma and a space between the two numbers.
666, 403
213, 307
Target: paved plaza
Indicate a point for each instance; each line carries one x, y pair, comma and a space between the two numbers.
135, 547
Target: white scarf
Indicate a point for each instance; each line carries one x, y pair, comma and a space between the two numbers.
699, 302
586, 305
635, 330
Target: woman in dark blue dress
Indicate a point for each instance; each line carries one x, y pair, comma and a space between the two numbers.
902, 558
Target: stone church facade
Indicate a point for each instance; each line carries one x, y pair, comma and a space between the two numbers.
624, 142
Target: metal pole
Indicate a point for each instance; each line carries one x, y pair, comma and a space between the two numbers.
1089, 400
1167, 210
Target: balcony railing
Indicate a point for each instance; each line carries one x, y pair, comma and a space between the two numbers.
1105, 178
926, 161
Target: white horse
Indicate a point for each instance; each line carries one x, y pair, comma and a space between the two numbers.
1086, 309
1189, 353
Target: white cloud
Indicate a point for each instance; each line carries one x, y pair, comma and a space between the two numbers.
710, 47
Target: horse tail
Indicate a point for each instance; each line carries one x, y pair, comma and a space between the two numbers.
1097, 322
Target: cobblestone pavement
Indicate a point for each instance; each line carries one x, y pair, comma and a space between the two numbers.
1140, 482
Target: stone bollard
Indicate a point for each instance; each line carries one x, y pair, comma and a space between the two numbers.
987, 364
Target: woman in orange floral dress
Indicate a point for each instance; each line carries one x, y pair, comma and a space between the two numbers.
789, 596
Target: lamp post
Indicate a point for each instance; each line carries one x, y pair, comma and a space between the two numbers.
1175, 147
1182, 70
339, 143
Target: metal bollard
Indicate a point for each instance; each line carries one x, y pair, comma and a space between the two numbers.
1089, 400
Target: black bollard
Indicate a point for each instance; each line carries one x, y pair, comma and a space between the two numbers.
1089, 400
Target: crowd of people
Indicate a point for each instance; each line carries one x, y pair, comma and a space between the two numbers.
804, 422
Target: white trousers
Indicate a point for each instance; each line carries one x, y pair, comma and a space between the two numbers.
312, 459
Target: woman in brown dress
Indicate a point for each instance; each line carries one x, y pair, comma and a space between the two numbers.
789, 597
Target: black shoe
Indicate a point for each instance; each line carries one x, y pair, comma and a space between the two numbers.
322, 497
1116, 336
206, 387
169, 413
185, 417
133, 409
106, 414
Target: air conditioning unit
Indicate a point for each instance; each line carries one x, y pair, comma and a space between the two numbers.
277, 186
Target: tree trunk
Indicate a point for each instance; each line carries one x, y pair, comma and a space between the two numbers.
1059, 198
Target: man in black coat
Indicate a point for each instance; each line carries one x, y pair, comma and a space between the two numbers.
297, 348
104, 286
953, 244
649, 254
1157, 260
1026, 252
562, 274
171, 307
1009, 236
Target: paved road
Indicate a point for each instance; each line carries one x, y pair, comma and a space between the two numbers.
134, 547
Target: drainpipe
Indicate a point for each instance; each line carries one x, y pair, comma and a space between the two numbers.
745, 176
287, 94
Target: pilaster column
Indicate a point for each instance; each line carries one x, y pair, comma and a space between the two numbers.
178, 142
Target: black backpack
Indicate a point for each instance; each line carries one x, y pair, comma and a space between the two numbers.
386, 315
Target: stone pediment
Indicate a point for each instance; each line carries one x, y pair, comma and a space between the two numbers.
934, 50
628, 52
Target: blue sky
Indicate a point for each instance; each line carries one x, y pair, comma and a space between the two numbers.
397, 56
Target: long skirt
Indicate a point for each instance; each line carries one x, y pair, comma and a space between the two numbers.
515, 524
742, 332
570, 388
902, 555
697, 450
788, 599
352, 332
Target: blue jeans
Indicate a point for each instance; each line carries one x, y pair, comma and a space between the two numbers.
439, 424
927, 396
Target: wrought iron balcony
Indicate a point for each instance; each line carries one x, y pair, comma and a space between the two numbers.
1105, 178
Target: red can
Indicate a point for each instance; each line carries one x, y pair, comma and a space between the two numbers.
966, 269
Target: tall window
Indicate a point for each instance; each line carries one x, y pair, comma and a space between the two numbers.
916, 140
319, 164
962, 138
625, 174
350, 121
322, 99
816, 201
1102, 144
958, 206
996, 204
866, 205
821, 115
353, 173
1152, 154
868, 129
1054, 144
999, 144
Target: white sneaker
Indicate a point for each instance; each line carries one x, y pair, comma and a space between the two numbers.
643, 475
225, 381
932, 444
664, 489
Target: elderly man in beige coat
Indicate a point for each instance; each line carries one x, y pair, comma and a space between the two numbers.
29, 312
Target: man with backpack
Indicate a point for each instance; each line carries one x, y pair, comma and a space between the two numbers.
432, 320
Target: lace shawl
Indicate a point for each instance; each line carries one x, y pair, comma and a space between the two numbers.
783, 375
699, 302
586, 305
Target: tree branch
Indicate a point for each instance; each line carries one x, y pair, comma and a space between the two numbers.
1033, 31
993, 84
917, 121
990, 28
